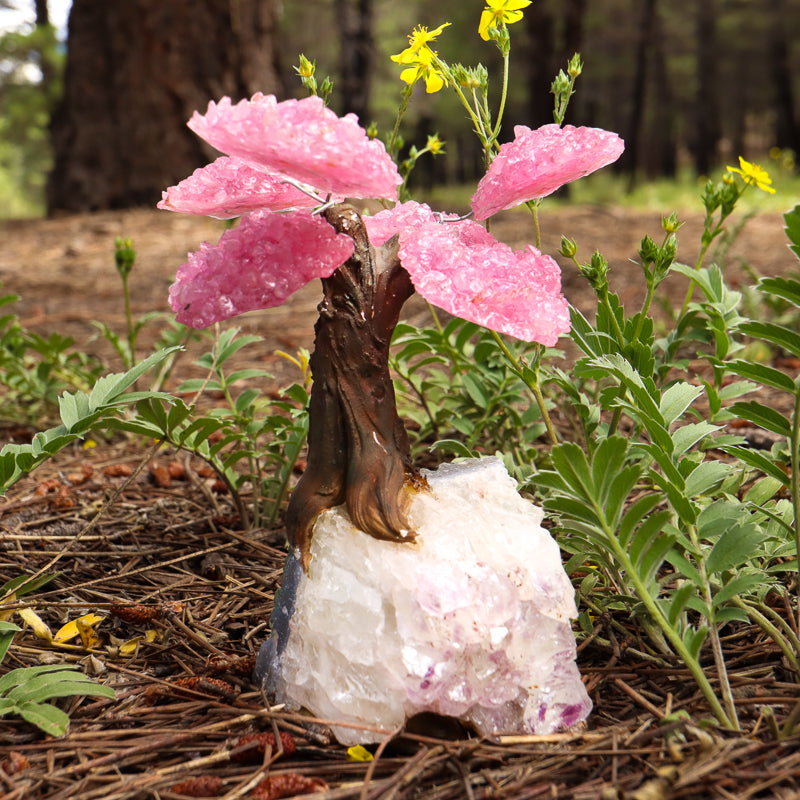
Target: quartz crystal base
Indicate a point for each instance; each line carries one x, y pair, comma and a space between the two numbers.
471, 620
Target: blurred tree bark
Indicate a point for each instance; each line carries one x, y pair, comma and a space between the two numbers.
787, 128
552, 42
706, 122
356, 56
135, 72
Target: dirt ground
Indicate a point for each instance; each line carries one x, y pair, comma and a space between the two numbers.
172, 552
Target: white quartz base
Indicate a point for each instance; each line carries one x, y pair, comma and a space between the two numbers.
472, 620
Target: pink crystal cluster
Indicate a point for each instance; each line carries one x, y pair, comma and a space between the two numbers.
239, 274
460, 267
540, 161
282, 157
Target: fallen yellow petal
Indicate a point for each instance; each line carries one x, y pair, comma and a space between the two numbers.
358, 753
76, 627
36, 624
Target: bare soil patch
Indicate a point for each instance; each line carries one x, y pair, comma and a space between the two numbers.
126, 527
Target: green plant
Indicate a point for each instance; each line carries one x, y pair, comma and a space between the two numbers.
25, 691
250, 441
81, 413
35, 369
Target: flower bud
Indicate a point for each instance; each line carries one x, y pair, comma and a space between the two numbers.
124, 255
671, 223
648, 251
306, 68
575, 66
568, 247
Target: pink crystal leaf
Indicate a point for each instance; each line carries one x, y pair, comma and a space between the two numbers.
466, 271
301, 139
228, 188
540, 161
257, 265
385, 224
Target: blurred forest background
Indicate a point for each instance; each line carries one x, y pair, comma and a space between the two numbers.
94, 117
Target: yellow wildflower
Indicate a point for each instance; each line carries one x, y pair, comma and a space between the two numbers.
423, 67
434, 145
500, 12
418, 40
754, 175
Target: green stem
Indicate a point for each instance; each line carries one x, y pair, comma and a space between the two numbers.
503, 97
126, 294
692, 664
533, 385
770, 629
405, 97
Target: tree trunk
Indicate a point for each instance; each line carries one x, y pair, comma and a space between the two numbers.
356, 56
540, 57
787, 129
706, 132
630, 160
136, 70
358, 450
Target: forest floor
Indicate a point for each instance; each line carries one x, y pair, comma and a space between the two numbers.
120, 530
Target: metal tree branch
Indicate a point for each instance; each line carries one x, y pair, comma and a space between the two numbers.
358, 449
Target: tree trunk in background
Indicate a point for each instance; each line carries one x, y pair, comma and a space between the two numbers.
787, 129
662, 156
644, 45
356, 57
539, 61
136, 70
42, 14
707, 126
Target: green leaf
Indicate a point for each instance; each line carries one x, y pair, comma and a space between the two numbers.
638, 510
23, 584
53, 721
570, 461
110, 387
687, 436
763, 416
647, 534
736, 546
705, 476
621, 486
607, 463
787, 288
676, 399
769, 376
21, 675
755, 459
792, 220
737, 586
678, 599
782, 337
693, 639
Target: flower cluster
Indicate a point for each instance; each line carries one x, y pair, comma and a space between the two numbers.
420, 61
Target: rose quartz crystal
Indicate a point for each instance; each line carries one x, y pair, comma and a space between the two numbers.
303, 140
462, 268
403, 216
229, 187
540, 161
257, 265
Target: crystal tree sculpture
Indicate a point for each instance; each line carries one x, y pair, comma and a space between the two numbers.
287, 169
